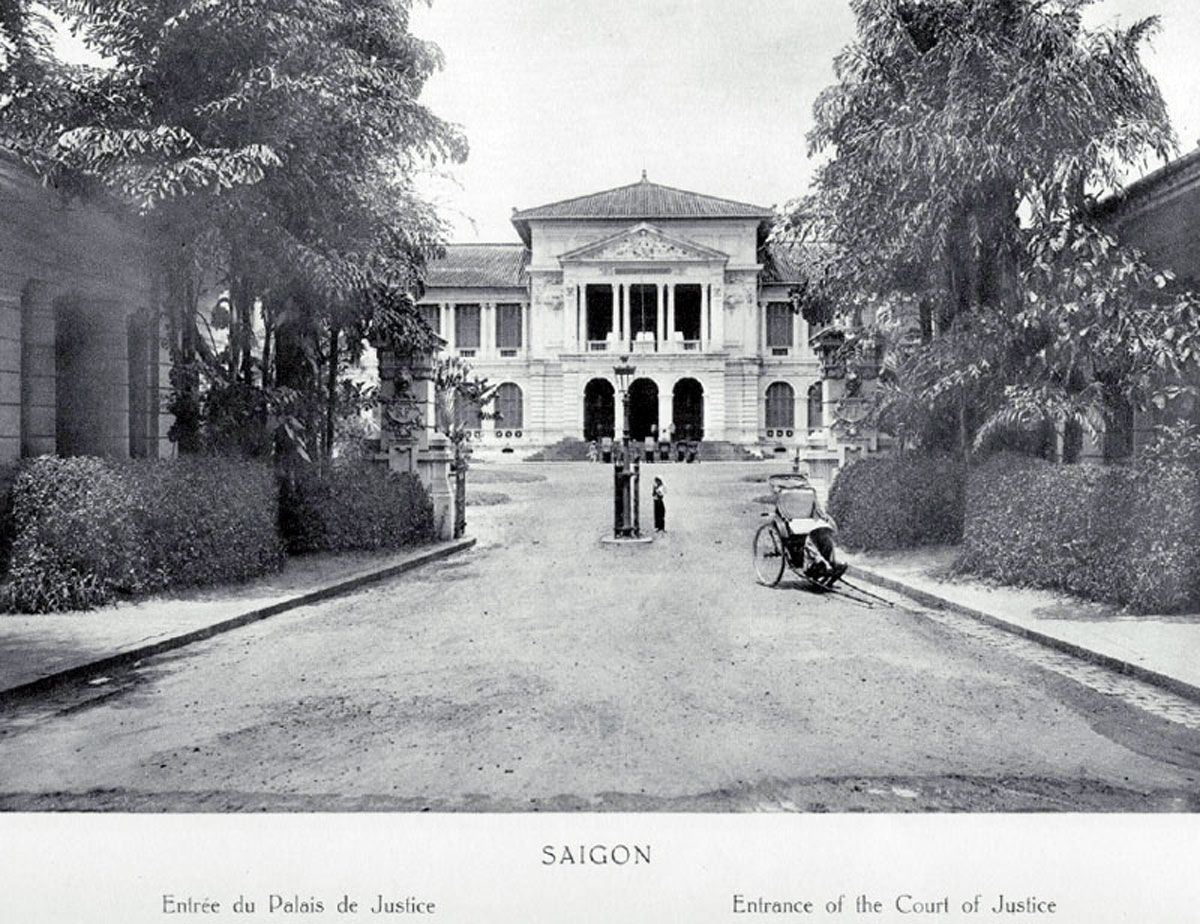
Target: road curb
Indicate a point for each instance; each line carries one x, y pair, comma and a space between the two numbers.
77, 672
933, 601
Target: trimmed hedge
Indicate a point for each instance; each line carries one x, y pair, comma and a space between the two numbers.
1120, 534
75, 538
360, 506
899, 502
211, 520
87, 530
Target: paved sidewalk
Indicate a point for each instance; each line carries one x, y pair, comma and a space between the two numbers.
39, 651
1164, 650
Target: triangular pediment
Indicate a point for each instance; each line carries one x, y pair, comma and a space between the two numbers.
644, 243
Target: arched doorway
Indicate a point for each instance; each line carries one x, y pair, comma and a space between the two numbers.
643, 409
598, 407
687, 410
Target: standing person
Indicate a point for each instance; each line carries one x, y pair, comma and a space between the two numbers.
660, 506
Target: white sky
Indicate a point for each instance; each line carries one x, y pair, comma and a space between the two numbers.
561, 98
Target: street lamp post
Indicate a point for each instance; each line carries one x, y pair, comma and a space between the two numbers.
626, 472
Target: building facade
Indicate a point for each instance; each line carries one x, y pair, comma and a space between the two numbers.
83, 367
1157, 215
683, 284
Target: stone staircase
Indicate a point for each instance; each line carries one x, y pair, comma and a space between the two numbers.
573, 450
723, 451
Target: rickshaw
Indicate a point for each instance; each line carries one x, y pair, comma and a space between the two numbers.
797, 538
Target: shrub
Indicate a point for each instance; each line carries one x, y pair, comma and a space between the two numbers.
900, 501
86, 530
210, 519
76, 542
1120, 534
355, 506
8, 479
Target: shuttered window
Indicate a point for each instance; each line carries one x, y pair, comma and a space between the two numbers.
779, 324
781, 406
466, 327
508, 327
432, 315
509, 409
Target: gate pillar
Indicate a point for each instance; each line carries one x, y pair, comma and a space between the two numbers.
408, 438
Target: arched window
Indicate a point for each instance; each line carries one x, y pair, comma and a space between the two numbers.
781, 406
509, 408
466, 414
816, 411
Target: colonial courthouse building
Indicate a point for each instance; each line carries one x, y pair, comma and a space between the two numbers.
681, 283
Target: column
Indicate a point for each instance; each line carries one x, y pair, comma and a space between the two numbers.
487, 329
705, 308
660, 316
582, 328
716, 313
666, 410
36, 360
527, 329
448, 326
616, 313
671, 313
626, 336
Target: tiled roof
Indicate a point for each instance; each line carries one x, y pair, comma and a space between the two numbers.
1139, 193
788, 263
641, 200
479, 266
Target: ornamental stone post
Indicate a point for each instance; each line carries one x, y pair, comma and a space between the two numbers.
408, 438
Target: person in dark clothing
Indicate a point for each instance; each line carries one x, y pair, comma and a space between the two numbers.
660, 506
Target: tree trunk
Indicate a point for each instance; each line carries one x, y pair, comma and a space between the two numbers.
268, 310
182, 304
234, 280
241, 320
964, 435
331, 390
996, 218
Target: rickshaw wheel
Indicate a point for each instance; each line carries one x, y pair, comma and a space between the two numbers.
769, 556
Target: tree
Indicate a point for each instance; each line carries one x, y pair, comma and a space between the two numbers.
270, 147
967, 137
461, 399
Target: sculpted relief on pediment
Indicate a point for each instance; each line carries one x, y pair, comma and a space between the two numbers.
644, 245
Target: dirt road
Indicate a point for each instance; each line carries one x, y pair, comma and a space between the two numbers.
542, 672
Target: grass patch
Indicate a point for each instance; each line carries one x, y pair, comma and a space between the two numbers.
505, 475
486, 498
